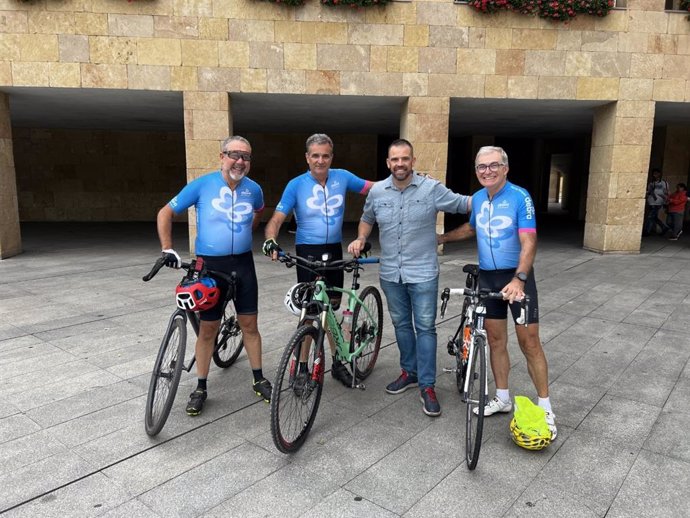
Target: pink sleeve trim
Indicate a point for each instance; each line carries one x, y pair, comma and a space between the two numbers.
367, 186
527, 230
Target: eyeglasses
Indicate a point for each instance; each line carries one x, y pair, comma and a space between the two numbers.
236, 155
493, 167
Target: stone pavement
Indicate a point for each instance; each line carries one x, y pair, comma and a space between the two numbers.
79, 331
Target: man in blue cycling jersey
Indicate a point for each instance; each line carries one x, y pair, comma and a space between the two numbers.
318, 200
226, 203
503, 219
405, 206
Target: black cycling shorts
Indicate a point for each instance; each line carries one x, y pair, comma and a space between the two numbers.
333, 277
246, 285
496, 280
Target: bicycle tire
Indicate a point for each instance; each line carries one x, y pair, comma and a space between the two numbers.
166, 375
367, 328
476, 397
294, 406
229, 342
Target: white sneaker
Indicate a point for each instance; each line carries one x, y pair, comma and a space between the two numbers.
551, 421
495, 406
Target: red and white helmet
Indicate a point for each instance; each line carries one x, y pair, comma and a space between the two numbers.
198, 295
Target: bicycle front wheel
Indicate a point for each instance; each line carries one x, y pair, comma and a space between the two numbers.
229, 342
476, 400
367, 327
297, 389
166, 375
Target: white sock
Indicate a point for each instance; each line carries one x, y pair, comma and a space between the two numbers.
503, 395
545, 403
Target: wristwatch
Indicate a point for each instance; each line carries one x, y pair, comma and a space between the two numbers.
521, 276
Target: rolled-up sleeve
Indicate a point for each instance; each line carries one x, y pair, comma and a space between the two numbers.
448, 201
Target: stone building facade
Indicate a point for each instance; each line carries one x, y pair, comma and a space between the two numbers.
428, 56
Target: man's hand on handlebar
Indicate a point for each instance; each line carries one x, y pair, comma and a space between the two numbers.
271, 248
171, 259
356, 247
513, 291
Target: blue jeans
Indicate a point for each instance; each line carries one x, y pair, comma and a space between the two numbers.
652, 220
408, 303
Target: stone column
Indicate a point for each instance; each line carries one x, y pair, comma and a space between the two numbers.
10, 236
424, 122
207, 122
619, 163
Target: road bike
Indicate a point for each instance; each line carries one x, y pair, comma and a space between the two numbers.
469, 347
170, 363
300, 375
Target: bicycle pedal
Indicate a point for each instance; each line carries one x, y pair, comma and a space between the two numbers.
449, 370
360, 386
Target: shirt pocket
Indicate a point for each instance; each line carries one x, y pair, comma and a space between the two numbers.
417, 212
385, 212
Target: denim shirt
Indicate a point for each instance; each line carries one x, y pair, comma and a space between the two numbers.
407, 226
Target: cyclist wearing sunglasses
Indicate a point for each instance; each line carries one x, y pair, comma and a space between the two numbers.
226, 203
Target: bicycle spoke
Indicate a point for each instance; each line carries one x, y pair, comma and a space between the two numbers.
296, 394
165, 376
367, 325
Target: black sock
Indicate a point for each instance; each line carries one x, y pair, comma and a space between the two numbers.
335, 362
258, 375
201, 385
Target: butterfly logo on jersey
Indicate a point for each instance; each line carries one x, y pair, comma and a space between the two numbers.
329, 206
235, 211
493, 225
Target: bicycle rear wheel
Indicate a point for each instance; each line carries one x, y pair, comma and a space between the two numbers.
166, 375
229, 342
367, 328
476, 398
297, 390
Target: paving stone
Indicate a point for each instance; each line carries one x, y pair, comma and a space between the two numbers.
90, 496
344, 504
656, 486
28, 449
669, 436
15, 426
129, 509
153, 467
41, 477
620, 420
285, 493
212, 482
588, 466
86, 369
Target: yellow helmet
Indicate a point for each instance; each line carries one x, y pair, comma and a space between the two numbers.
528, 427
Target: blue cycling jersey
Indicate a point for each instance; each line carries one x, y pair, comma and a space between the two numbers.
319, 209
223, 216
498, 223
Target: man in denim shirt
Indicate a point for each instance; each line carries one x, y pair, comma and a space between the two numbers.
405, 206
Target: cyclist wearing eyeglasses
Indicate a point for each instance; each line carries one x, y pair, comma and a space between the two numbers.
503, 220
318, 199
226, 203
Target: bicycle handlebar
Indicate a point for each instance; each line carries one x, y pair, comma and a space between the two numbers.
319, 266
230, 279
483, 294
